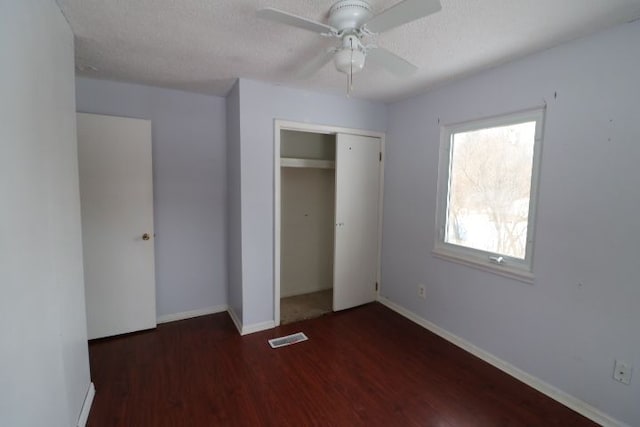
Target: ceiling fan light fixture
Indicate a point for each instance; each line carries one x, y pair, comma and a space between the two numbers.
349, 61
350, 58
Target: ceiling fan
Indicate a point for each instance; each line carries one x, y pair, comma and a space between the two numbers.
353, 21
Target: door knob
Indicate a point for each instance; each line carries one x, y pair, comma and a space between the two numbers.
146, 236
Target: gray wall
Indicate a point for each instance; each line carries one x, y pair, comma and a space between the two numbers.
234, 229
43, 337
260, 104
190, 190
581, 313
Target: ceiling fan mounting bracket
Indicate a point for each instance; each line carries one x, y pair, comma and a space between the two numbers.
349, 15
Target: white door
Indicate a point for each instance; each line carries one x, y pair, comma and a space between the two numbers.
116, 194
356, 233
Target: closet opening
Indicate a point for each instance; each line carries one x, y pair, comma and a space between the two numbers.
307, 223
327, 219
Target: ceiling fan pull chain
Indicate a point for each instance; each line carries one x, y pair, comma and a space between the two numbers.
347, 86
350, 77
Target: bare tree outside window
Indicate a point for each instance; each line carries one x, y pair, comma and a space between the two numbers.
490, 188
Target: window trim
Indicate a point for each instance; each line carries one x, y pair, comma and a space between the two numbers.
514, 268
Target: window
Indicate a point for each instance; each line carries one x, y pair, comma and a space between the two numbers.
487, 182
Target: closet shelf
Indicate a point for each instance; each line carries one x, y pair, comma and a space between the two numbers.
289, 162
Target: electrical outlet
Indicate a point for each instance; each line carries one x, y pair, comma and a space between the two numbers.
422, 291
622, 372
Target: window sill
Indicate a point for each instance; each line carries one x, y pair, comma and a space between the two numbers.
505, 271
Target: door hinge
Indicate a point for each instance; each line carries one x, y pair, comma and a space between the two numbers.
376, 286
381, 156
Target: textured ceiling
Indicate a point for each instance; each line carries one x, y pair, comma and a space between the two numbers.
203, 45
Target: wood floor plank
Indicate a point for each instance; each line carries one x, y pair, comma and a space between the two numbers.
362, 367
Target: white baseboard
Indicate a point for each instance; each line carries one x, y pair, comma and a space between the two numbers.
257, 327
300, 291
235, 319
192, 313
86, 406
556, 394
250, 329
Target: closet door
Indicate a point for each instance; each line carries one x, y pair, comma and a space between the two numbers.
356, 232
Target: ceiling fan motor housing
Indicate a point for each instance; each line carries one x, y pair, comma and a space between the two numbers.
347, 15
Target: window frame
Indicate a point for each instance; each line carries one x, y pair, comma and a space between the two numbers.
501, 264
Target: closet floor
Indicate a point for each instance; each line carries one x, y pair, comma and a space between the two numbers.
306, 306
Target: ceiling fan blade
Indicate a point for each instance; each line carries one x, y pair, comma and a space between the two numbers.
392, 62
286, 18
313, 66
401, 13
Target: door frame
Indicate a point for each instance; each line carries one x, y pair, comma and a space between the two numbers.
280, 125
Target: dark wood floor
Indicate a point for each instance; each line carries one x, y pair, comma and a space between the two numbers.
366, 366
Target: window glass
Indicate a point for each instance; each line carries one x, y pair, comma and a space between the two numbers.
490, 187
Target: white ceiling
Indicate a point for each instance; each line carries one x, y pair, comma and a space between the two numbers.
203, 45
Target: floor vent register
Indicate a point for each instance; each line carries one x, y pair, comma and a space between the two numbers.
288, 340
